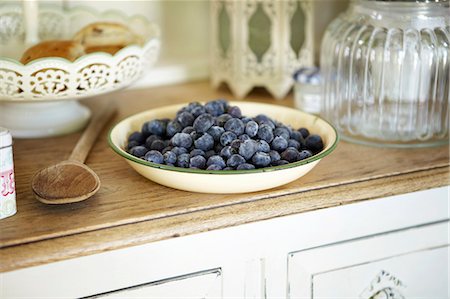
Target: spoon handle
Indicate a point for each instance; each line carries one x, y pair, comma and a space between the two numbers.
89, 136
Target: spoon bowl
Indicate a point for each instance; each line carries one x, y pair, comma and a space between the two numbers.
65, 182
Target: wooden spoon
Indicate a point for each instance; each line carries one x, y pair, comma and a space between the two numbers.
71, 180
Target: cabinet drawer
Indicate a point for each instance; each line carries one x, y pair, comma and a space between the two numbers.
411, 263
201, 285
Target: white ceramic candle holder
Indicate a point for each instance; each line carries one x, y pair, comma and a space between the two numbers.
39, 99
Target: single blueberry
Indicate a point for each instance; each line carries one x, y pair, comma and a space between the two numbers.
183, 160
203, 123
227, 151
291, 154
236, 143
215, 132
274, 156
251, 128
227, 137
224, 104
197, 162
294, 143
279, 162
132, 144
297, 136
158, 145
188, 130
261, 159
214, 167
263, 146
282, 132
304, 132
150, 139
217, 160
279, 144
215, 108
138, 151
185, 119
197, 110
182, 140
154, 156
304, 154
245, 166
245, 119
261, 117
248, 148
136, 136
235, 160
204, 142
179, 150
173, 127
196, 152
154, 127
267, 122
235, 125
314, 143
170, 157
234, 111
244, 137
222, 119
265, 133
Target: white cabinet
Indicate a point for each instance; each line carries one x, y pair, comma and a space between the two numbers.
397, 244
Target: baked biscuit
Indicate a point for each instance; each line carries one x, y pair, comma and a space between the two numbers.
68, 49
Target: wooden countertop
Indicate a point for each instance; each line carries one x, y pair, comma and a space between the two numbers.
130, 210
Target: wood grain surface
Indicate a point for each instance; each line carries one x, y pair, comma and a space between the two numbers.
129, 209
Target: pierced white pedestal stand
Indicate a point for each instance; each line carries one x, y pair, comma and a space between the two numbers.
43, 119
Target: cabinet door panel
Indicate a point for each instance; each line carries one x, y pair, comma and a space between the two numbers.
410, 263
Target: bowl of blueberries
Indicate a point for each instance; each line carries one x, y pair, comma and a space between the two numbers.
223, 147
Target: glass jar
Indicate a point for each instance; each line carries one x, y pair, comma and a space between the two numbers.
386, 72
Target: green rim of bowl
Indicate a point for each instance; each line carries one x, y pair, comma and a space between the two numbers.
132, 158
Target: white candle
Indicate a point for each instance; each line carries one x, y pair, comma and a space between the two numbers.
30, 21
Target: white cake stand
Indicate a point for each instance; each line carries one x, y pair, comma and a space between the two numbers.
40, 99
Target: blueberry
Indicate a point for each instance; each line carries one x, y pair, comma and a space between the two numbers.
196, 109
182, 140
197, 162
150, 139
251, 128
154, 127
195, 135
279, 144
203, 123
235, 125
183, 160
196, 152
204, 142
173, 127
294, 143
245, 166
234, 111
282, 132
227, 151
274, 156
261, 117
214, 167
138, 151
261, 159
236, 143
179, 150
265, 133
267, 122
216, 160
280, 162
215, 108
248, 148
188, 130
158, 145
170, 157
166, 149
246, 119
132, 144
228, 168
209, 154
222, 119
224, 104
235, 160
244, 137
227, 137
154, 156
314, 143
216, 132
304, 154
304, 132
297, 136
263, 146
291, 154
136, 136
185, 119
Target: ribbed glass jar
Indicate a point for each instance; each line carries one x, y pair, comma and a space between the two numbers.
386, 73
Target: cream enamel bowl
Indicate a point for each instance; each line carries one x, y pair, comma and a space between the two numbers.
233, 181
